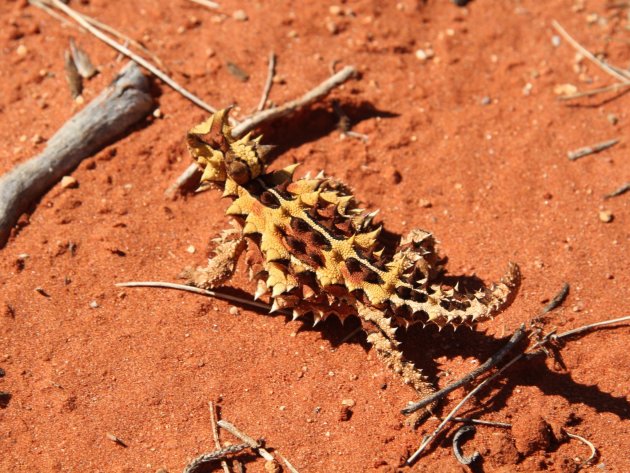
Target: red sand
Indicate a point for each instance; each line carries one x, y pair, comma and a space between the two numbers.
144, 364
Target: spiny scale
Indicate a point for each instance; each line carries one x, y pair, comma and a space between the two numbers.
314, 250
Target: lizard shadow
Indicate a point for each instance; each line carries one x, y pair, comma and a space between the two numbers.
423, 345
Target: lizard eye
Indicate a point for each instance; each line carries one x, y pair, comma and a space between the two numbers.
237, 170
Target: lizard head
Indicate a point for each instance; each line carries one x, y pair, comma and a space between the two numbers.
221, 156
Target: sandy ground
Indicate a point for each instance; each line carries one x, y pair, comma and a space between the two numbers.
466, 139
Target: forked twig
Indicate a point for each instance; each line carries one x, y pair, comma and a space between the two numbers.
269, 115
267, 88
130, 54
527, 354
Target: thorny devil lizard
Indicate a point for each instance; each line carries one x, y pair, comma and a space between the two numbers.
313, 250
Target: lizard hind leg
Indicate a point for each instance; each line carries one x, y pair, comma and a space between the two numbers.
221, 267
388, 350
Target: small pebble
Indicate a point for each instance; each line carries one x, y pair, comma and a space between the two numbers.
332, 27
233, 310
157, 113
69, 182
94, 305
345, 413
21, 50
240, 15
606, 216
191, 249
556, 40
486, 100
425, 54
335, 10
565, 89
612, 118
348, 402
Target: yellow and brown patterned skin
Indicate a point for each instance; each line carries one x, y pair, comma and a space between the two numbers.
313, 250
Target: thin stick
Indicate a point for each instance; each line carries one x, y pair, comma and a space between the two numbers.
586, 328
196, 290
130, 54
267, 88
557, 300
618, 191
495, 359
224, 424
119, 35
594, 452
588, 150
207, 4
601, 64
215, 434
214, 456
290, 467
600, 90
269, 115
528, 354
43, 6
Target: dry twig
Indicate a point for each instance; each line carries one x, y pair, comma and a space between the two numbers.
195, 290
618, 191
593, 149
269, 115
557, 300
267, 88
290, 467
108, 116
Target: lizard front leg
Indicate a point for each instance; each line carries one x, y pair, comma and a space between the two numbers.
221, 267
